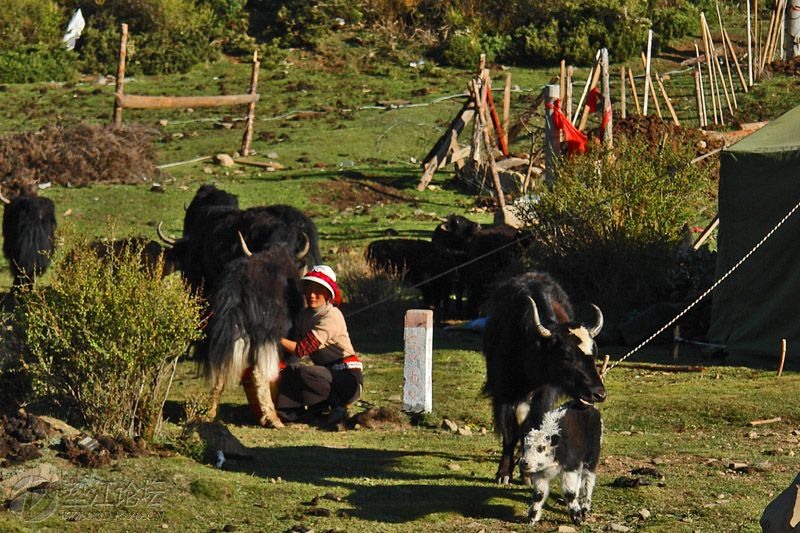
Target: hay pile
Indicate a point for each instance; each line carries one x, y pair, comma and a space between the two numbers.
76, 156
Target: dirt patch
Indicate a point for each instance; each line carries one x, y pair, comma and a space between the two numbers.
652, 129
790, 67
343, 193
76, 156
101, 450
377, 418
20, 438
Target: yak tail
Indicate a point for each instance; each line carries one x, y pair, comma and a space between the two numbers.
266, 358
226, 364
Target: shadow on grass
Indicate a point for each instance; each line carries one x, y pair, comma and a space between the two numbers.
365, 473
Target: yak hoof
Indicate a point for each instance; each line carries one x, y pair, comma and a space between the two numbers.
271, 422
576, 516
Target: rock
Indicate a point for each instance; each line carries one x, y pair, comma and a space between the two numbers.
223, 125
453, 466
465, 431
737, 466
395, 398
177, 135
56, 424
224, 160
28, 479
157, 187
752, 435
163, 122
613, 526
272, 155
566, 529
449, 425
644, 514
208, 170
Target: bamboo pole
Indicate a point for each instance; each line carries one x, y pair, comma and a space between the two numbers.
763, 60
562, 81
709, 69
119, 91
586, 88
608, 133
506, 107
633, 92
725, 53
487, 140
623, 110
647, 82
585, 112
728, 42
720, 79
698, 98
702, 89
666, 99
568, 99
756, 38
749, 45
247, 138
133, 101
783, 357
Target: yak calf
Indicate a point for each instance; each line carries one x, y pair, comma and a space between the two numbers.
567, 442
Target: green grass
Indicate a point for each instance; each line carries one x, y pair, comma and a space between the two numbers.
690, 426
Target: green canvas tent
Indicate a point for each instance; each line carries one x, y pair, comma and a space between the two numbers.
759, 183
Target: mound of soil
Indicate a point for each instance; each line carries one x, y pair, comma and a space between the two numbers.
376, 418
653, 130
789, 67
76, 156
351, 192
101, 452
20, 438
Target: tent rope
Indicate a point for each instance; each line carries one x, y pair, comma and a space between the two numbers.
708, 291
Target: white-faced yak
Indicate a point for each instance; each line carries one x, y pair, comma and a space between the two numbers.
535, 352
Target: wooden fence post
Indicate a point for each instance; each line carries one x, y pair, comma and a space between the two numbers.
647, 70
251, 107
120, 85
552, 146
418, 367
608, 138
622, 104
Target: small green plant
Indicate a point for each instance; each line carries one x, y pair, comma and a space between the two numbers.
104, 337
609, 226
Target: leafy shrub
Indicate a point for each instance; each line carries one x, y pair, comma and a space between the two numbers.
461, 49
30, 22
104, 337
165, 36
300, 22
28, 64
609, 226
673, 22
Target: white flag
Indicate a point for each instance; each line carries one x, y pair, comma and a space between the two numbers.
74, 29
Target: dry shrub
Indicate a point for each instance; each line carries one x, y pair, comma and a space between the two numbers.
363, 287
76, 156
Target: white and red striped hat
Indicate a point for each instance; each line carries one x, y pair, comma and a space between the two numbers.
325, 276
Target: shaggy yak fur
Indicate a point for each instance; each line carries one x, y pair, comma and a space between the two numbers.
29, 224
566, 442
253, 306
535, 352
210, 239
151, 253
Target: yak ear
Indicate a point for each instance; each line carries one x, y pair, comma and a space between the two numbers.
555, 439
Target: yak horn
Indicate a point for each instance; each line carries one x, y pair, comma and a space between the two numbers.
304, 252
595, 330
4, 199
543, 331
245, 249
161, 234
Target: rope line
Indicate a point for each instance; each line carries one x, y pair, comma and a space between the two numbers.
710, 289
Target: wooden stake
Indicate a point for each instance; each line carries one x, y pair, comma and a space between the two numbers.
604, 368
765, 50
568, 99
727, 39
765, 421
552, 147
709, 68
506, 107
676, 334
487, 140
120, 81
756, 38
623, 110
647, 83
247, 139
783, 357
633, 92
666, 99
562, 82
481, 64
501, 137
608, 133
720, 79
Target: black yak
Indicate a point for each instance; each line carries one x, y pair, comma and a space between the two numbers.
253, 305
419, 262
535, 352
29, 225
566, 442
151, 253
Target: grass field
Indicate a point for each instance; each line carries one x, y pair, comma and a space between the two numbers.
354, 171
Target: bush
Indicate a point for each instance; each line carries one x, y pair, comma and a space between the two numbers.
28, 64
30, 22
302, 23
164, 36
673, 22
104, 337
609, 227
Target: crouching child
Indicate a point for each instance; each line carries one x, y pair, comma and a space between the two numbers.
567, 442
